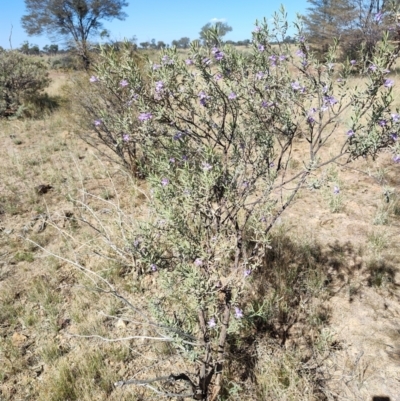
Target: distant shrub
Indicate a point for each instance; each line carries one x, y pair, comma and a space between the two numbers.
21, 80
66, 62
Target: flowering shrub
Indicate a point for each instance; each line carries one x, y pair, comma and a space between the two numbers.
218, 131
108, 99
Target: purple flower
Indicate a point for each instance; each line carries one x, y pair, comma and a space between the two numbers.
153, 267
372, 67
178, 135
125, 137
394, 136
353, 62
246, 273
203, 98
172, 160
164, 182
295, 85
396, 158
166, 60
238, 313
198, 262
156, 66
124, 83
336, 190
211, 323
261, 48
302, 39
260, 75
206, 166
388, 83
378, 17
257, 29
159, 86
189, 61
299, 53
266, 104
310, 120
350, 133
395, 117
382, 123
145, 116
93, 79
97, 122
232, 96
218, 54
282, 57
330, 100
185, 158
217, 77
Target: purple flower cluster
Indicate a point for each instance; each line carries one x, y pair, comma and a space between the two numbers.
350, 133
336, 190
261, 48
124, 83
126, 138
218, 54
217, 77
396, 158
164, 182
232, 96
145, 116
189, 61
97, 123
156, 66
93, 79
153, 267
198, 262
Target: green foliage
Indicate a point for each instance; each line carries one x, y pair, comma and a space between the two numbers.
22, 79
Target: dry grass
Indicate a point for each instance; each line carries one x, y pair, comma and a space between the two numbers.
329, 287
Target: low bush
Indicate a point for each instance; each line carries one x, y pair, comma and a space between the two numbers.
22, 80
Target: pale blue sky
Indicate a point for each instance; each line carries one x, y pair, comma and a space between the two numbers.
162, 20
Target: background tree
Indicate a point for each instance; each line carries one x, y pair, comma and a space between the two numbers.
144, 45
76, 19
217, 31
161, 44
358, 23
328, 19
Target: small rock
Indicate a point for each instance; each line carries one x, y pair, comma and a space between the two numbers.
43, 189
18, 339
120, 324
